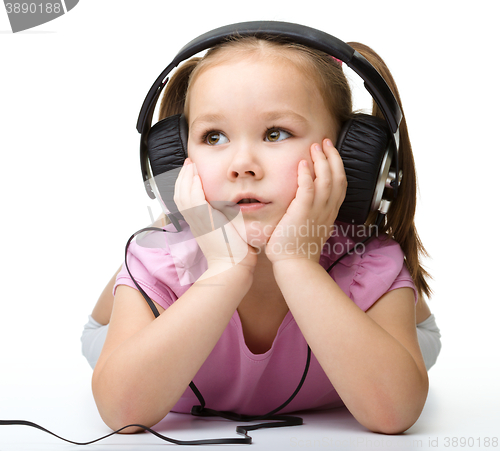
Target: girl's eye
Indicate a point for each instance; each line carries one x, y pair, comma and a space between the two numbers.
275, 134
215, 138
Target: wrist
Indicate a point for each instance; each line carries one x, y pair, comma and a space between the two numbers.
294, 265
298, 251
298, 273
222, 273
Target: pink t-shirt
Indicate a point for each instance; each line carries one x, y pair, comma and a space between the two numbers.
233, 378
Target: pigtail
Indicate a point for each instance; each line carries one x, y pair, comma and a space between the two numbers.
400, 220
175, 93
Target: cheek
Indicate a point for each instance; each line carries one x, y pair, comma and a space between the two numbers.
210, 173
210, 179
286, 181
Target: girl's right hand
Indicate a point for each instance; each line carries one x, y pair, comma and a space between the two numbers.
217, 236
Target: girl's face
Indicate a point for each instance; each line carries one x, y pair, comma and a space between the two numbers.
251, 121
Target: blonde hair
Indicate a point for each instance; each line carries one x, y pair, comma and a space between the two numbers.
327, 74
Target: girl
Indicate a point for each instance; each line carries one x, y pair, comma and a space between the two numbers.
262, 117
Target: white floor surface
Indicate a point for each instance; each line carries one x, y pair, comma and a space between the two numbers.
461, 413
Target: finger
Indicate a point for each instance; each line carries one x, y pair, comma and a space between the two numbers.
323, 170
335, 160
178, 183
197, 192
182, 172
305, 190
183, 184
339, 178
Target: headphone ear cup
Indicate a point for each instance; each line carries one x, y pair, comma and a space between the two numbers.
167, 144
167, 150
363, 143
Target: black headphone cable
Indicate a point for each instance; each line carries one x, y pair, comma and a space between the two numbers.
201, 410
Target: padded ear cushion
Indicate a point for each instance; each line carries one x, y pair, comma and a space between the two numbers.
362, 145
167, 144
167, 150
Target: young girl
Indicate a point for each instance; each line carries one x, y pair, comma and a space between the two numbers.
263, 116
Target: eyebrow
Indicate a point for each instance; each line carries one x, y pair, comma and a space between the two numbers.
283, 114
270, 116
208, 118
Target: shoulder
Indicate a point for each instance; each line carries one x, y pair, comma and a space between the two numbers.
344, 238
371, 271
164, 263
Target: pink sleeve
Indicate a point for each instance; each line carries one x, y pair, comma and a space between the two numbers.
367, 277
154, 288
164, 265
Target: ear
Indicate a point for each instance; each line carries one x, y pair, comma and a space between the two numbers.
362, 144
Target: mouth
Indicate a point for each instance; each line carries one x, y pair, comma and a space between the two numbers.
248, 200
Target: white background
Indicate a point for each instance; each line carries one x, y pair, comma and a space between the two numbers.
72, 194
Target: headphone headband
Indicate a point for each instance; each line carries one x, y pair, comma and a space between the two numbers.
301, 34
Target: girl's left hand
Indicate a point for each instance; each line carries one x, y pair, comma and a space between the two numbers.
308, 221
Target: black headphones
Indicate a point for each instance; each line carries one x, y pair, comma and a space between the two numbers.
367, 144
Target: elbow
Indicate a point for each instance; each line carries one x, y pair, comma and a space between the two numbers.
391, 426
396, 417
394, 421
121, 421
129, 428
120, 417
122, 411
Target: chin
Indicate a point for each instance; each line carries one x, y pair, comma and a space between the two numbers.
255, 240
257, 235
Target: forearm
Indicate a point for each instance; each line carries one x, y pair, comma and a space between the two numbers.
143, 378
374, 374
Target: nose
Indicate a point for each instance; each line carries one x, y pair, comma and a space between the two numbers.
245, 164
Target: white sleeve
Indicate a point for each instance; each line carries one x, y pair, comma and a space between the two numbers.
429, 339
92, 339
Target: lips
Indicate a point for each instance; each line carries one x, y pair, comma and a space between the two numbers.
249, 198
248, 201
